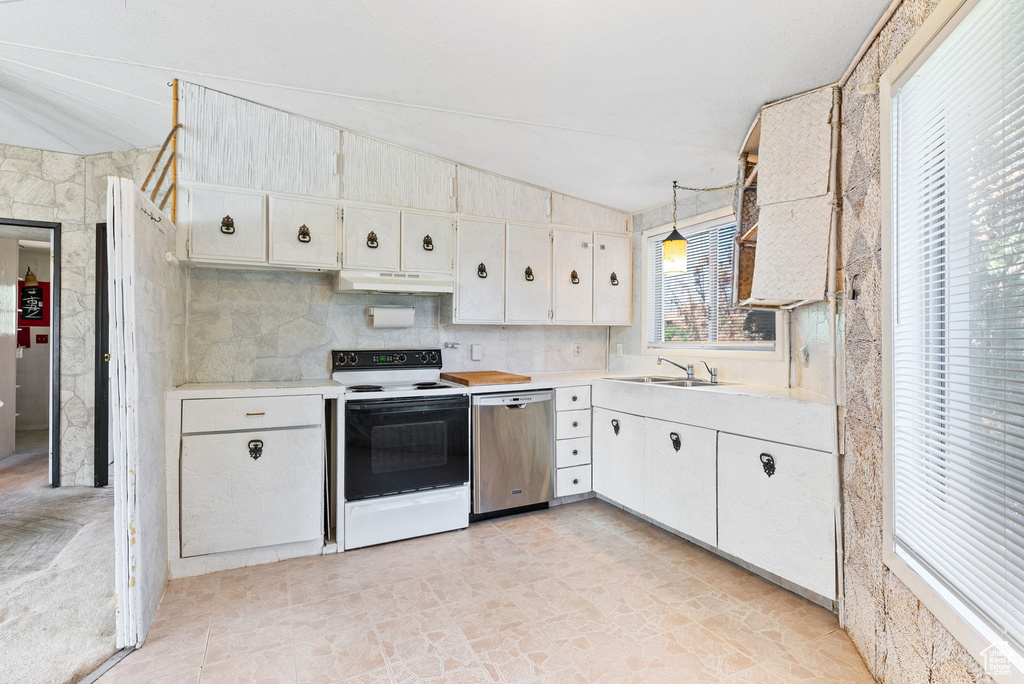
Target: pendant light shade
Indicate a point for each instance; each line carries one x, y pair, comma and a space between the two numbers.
673, 248
673, 253
30, 279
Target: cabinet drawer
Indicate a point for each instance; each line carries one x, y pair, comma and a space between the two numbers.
232, 500
783, 522
570, 481
572, 452
572, 398
227, 225
250, 413
570, 424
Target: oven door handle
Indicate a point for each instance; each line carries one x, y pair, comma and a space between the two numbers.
391, 406
516, 406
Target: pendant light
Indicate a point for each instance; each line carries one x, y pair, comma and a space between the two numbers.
30, 279
673, 248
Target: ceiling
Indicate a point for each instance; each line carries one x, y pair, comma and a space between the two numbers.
606, 100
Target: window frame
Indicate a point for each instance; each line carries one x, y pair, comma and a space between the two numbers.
973, 634
711, 219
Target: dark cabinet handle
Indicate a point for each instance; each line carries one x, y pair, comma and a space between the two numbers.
768, 463
615, 279
575, 452
575, 424
227, 225
481, 271
255, 449
615, 426
574, 277
529, 274
576, 480
371, 240
676, 442
304, 235
428, 243
574, 397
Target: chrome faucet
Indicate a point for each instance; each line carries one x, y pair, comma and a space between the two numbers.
688, 369
713, 372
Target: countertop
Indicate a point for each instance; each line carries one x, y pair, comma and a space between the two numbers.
206, 390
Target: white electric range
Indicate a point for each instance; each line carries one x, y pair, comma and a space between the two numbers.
406, 446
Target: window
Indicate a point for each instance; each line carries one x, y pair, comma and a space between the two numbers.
694, 309
955, 433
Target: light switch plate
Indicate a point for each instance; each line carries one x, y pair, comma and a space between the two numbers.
476, 352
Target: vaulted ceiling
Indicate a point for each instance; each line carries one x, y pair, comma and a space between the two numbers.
607, 100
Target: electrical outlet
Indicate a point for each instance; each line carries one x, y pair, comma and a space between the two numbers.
577, 349
618, 349
476, 352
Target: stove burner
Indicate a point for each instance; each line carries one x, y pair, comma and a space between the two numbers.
365, 388
428, 385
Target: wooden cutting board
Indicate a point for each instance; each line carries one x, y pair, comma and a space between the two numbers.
484, 378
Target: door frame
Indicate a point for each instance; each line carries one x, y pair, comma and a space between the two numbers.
101, 415
54, 339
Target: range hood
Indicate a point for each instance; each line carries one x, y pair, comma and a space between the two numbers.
394, 283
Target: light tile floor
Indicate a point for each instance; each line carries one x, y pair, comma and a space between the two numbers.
581, 593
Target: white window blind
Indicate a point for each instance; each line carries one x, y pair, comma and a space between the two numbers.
694, 309
958, 318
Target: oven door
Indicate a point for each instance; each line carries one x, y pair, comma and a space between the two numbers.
404, 445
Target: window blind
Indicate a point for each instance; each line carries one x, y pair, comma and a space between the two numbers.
695, 308
958, 317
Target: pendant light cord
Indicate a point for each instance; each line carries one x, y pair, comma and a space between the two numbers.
676, 186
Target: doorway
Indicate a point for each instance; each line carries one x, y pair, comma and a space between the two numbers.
29, 351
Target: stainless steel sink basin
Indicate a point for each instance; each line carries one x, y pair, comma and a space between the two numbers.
696, 383
648, 378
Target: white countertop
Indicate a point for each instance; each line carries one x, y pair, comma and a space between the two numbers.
205, 390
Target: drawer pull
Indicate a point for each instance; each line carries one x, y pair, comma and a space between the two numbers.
259, 413
615, 426
255, 449
768, 463
676, 442
371, 240
575, 423
574, 397
575, 452
575, 480
574, 278
227, 225
428, 244
304, 235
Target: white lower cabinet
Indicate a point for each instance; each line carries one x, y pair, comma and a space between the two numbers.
776, 510
572, 441
679, 478
245, 490
618, 455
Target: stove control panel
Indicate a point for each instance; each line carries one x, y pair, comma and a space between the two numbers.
365, 359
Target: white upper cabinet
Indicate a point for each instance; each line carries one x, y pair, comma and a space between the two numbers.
493, 196
572, 211
303, 232
573, 277
377, 172
528, 275
372, 238
480, 283
680, 478
227, 226
426, 242
613, 281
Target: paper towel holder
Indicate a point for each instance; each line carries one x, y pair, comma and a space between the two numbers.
391, 316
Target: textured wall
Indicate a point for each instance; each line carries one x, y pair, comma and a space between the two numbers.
37, 185
899, 639
276, 325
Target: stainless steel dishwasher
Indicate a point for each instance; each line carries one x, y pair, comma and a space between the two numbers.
513, 450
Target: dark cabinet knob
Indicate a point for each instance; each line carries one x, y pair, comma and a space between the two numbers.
576, 480
371, 240
575, 424
255, 449
574, 397
428, 243
304, 235
615, 279
768, 463
529, 274
481, 271
574, 277
575, 452
227, 225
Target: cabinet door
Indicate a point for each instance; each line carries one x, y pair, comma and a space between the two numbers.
426, 242
227, 226
479, 272
784, 521
528, 288
232, 500
573, 277
372, 238
679, 478
613, 279
618, 457
303, 232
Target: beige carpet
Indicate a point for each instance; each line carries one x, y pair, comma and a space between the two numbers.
56, 572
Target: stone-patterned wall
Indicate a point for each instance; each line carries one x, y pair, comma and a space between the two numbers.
246, 325
899, 639
37, 185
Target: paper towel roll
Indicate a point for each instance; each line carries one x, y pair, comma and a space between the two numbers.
392, 316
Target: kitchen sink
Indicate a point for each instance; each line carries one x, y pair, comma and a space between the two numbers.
697, 383
649, 378
672, 382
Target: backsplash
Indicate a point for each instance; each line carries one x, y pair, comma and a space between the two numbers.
249, 325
